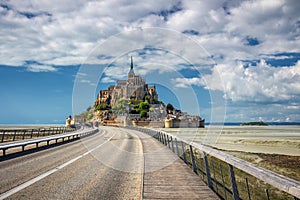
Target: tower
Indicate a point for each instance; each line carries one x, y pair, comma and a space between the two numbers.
131, 72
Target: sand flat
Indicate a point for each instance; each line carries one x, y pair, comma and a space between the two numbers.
283, 140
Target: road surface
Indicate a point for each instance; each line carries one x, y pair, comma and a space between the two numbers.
75, 170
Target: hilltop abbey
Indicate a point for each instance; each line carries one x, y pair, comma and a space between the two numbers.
134, 88
134, 102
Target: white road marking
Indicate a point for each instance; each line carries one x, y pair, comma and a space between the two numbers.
36, 179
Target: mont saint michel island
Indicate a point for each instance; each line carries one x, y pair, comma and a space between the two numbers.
133, 102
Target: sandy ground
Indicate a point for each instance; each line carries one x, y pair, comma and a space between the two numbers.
284, 140
276, 148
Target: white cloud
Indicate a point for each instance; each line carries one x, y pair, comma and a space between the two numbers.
40, 68
187, 82
260, 83
63, 33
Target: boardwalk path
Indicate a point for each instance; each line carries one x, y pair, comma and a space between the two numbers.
167, 177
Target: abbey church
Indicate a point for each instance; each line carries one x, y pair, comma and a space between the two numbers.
134, 102
134, 88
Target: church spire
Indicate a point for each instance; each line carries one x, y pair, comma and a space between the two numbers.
131, 72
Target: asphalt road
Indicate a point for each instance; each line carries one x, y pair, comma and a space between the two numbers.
106, 165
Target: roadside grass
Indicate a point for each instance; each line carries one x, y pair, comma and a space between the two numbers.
221, 182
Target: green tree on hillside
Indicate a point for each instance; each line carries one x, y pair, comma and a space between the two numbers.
143, 113
170, 106
102, 106
144, 106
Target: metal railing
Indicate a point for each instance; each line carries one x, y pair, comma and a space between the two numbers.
228, 176
69, 136
10, 135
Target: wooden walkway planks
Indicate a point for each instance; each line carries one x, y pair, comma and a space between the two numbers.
168, 177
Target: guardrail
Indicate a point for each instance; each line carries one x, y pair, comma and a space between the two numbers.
69, 136
9, 135
228, 176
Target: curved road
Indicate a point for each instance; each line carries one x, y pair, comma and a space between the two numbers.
106, 165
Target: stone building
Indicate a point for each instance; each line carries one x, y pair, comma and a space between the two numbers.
134, 87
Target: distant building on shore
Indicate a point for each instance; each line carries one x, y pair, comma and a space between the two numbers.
70, 121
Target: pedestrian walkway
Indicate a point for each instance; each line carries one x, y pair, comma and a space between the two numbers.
168, 177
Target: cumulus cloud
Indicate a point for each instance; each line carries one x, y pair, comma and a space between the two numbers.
40, 68
63, 33
187, 82
254, 83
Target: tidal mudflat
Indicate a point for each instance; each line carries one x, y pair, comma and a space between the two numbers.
273, 147
283, 140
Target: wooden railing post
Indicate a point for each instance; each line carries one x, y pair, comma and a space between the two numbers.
193, 160
23, 136
164, 139
267, 193
168, 142
208, 177
14, 138
172, 144
223, 182
176, 143
235, 192
248, 190
160, 137
183, 152
3, 134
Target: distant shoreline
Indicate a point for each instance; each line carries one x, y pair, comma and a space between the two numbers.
268, 123
28, 125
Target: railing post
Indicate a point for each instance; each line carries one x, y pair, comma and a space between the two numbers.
235, 192
267, 193
31, 133
223, 182
160, 138
193, 160
183, 152
168, 143
208, 177
23, 137
172, 144
3, 134
248, 190
163, 138
14, 138
176, 143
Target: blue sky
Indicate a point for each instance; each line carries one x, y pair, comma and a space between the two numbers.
231, 61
